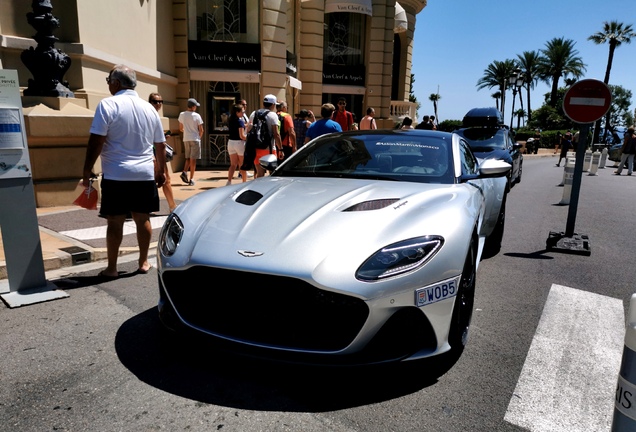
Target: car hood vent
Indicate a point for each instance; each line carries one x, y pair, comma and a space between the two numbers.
372, 205
249, 197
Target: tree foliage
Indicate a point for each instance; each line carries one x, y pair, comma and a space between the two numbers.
559, 59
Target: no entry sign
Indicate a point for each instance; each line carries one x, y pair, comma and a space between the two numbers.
587, 101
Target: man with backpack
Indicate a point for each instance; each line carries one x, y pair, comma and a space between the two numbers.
287, 131
263, 136
343, 117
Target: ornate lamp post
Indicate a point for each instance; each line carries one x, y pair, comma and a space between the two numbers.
47, 64
516, 81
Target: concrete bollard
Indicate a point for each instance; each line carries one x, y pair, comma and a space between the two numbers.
567, 160
625, 401
603, 158
568, 176
596, 156
588, 160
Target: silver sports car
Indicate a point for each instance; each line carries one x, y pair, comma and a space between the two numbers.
361, 248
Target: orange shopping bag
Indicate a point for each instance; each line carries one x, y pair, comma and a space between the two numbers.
88, 198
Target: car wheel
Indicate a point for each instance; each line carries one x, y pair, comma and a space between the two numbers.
520, 172
463, 310
493, 242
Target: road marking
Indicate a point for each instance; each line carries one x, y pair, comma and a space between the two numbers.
100, 232
569, 377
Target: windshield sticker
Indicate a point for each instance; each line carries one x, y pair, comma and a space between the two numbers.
408, 144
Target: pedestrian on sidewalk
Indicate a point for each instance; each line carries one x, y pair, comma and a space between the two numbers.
325, 125
236, 143
271, 120
191, 125
129, 179
156, 100
627, 152
343, 117
566, 145
368, 121
287, 131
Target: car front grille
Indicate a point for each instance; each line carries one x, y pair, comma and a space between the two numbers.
265, 310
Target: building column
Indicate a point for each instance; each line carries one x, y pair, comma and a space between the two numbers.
312, 18
380, 61
273, 48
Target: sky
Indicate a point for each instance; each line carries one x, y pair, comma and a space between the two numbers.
456, 40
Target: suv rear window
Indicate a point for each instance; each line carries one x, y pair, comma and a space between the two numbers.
484, 139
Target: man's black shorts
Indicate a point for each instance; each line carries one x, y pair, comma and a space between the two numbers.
123, 197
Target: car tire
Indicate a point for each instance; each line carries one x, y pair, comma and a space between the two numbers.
493, 241
520, 172
464, 301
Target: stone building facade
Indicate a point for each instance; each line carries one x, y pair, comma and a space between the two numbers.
305, 52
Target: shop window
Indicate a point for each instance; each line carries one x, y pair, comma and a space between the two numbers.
223, 20
344, 38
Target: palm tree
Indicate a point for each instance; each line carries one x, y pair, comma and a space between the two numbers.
559, 59
496, 96
496, 76
520, 114
435, 97
614, 34
529, 64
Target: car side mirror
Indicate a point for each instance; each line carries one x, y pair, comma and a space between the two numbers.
269, 162
494, 168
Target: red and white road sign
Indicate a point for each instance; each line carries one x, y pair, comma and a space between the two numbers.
587, 101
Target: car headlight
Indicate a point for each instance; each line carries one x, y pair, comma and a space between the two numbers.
171, 234
399, 258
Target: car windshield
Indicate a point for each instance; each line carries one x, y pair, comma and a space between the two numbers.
483, 140
395, 155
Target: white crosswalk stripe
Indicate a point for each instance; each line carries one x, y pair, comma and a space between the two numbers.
569, 377
100, 232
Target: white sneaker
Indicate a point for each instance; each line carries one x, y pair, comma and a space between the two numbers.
229, 182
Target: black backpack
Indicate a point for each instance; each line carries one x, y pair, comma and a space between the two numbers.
260, 135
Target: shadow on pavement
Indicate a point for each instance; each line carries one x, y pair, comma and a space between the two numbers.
198, 372
73, 282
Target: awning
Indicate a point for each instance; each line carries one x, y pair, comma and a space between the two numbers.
352, 6
401, 22
224, 75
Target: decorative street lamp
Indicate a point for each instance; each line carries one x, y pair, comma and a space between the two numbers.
516, 81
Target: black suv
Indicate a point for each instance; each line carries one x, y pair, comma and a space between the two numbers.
489, 138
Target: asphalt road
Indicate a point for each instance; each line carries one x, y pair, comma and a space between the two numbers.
96, 361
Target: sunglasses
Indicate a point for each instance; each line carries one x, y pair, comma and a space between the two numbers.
156, 102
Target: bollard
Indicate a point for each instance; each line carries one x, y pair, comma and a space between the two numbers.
588, 160
568, 176
595, 160
625, 399
603, 158
567, 160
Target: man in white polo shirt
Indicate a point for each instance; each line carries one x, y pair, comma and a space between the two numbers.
124, 131
191, 125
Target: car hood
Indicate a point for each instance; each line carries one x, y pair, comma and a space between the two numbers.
296, 225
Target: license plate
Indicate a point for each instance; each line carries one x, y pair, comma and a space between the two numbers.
434, 293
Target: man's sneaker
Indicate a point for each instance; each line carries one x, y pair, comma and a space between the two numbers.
184, 177
191, 183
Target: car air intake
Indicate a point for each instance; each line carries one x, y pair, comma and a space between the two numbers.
249, 197
372, 205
